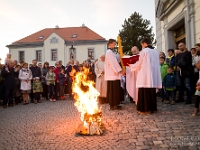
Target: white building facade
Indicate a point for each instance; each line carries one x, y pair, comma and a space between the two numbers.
56, 46
176, 21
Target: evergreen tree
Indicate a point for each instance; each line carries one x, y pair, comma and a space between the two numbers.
134, 29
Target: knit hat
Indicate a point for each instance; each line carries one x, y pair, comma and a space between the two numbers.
51, 67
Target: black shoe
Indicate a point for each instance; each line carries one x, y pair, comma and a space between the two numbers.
32, 101
179, 101
113, 107
116, 107
188, 102
10, 105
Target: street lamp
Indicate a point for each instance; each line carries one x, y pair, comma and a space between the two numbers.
72, 52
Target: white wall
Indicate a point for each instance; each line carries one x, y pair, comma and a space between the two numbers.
82, 52
30, 53
49, 46
175, 12
62, 51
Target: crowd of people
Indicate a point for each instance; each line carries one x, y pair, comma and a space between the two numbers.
180, 72
172, 75
23, 82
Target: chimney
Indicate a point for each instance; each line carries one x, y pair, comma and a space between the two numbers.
83, 25
57, 27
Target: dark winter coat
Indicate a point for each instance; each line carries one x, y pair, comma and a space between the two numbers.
44, 73
9, 78
169, 81
61, 79
69, 69
184, 61
36, 71
171, 61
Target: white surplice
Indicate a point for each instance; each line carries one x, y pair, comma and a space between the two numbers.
148, 68
112, 67
101, 83
131, 78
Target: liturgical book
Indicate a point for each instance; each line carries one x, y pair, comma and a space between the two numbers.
130, 59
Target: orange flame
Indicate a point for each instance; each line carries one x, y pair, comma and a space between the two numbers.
86, 96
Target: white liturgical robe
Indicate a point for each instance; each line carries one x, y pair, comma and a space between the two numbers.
112, 67
131, 78
148, 69
101, 84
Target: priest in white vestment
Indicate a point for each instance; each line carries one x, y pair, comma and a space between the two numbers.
101, 83
148, 77
131, 78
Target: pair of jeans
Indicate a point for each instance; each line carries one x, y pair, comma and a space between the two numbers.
56, 90
185, 83
37, 96
197, 101
51, 91
1, 91
62, 89
45, 90
8, 97
168, 94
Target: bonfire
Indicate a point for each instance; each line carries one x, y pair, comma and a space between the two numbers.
85, 96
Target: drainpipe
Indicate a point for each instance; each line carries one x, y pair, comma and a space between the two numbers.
192, 25
64, 54
187, 25
43, 53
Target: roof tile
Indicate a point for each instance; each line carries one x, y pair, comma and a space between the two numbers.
83, 33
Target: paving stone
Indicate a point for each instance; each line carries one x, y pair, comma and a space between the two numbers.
52, 126
157, 142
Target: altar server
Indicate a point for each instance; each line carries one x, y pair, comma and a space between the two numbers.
148, 78
113, 73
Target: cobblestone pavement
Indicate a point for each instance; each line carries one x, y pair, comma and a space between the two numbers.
51, 125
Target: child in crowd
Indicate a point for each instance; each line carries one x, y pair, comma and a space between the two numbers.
25, 75
163, 70
197, 93
50, 78
62, 82
37, 89
169, 85
8, 58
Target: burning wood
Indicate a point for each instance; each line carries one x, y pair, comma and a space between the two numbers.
85, 96
91, 126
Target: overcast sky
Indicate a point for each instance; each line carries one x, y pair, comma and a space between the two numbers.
20, 18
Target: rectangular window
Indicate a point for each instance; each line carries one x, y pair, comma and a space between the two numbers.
91, 53
39, 55
54, 40
21, 56
54, 55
